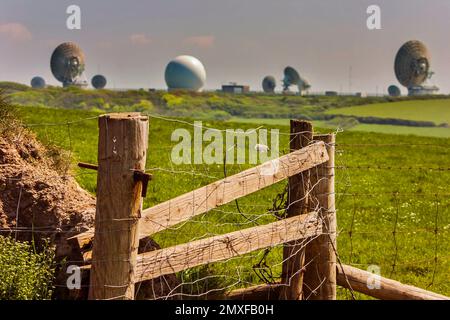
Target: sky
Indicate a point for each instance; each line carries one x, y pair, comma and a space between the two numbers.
131, 42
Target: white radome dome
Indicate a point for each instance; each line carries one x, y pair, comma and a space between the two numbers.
185, 73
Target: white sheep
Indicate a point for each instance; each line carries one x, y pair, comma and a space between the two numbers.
261, 148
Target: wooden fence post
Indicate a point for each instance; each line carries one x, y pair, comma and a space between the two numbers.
122, 148
320, 275
298, 203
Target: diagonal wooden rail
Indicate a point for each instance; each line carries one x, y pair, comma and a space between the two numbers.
199, 201
347, 277
165, 261
194, 203
154, 264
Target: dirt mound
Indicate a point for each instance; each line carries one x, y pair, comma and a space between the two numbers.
36, 201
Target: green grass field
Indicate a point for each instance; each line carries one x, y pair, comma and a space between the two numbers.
437, 111
403, 130
376, 128
409, 197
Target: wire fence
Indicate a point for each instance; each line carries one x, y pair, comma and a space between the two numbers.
392, 201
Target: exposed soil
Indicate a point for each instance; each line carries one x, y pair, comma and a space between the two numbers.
36, 201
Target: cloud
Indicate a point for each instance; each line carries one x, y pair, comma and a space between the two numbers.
200, 41
15, 32
140, 39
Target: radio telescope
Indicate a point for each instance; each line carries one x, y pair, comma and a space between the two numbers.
394, 91
185, 73
412, 68
98, 81
269, 84
67, 65
38, 83
292, 77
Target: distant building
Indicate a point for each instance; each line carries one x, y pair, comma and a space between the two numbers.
235, 88
422, 90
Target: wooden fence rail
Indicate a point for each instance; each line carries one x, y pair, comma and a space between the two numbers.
221, 192
153, 264
347, 277
358, 280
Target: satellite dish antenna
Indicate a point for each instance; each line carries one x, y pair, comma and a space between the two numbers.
292, 77
38, 83
394, 91
98, 81
67, 65
412, 68
269, 84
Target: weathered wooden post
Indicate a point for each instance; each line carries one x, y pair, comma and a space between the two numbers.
298, 203
122, 149
319, 281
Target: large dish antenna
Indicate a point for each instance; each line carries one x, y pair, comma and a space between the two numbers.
269, 84
67, 64
98, 81
394, 91
292, 78
38, 83
412, 68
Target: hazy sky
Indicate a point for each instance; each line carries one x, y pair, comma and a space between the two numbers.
237, 40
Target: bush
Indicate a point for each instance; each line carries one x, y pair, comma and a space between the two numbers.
24, 273
396, 122
219, 115
29, 97
12, 86
7, 115
172, 100
143, 106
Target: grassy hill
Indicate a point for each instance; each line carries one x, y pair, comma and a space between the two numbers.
403, 115
206, 105
338, 122
403, 130
384, 183
437, 111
